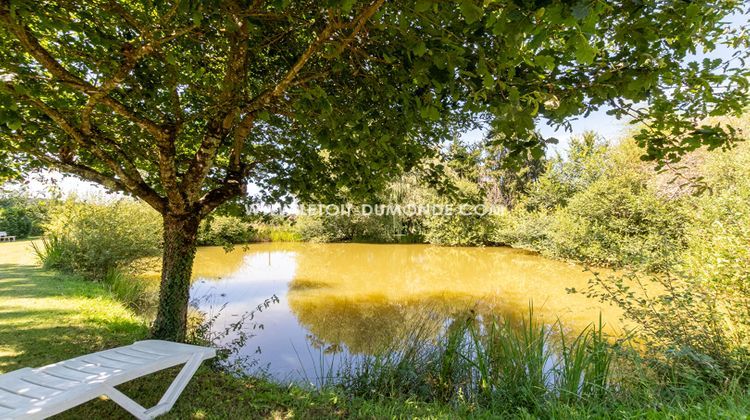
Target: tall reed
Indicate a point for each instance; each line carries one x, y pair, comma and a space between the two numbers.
488, 361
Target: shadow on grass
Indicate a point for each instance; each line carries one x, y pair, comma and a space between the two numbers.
25, 281
46, 317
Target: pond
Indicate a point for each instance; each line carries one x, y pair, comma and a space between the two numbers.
333, 301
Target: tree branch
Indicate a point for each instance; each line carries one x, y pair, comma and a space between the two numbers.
218, 127
358, 24
33, 47
132, 57
89, 174
234, 185
128, 174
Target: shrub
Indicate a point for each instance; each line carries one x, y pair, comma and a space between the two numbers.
225, 230
619, 221
15, 221
277, 233
718, 235
458, 230
694, 322
688, 333
21, 216
588, 158
322, 229
93, 238
342, 228
599, 206
521, 228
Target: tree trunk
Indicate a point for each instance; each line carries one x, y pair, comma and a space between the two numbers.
180, 233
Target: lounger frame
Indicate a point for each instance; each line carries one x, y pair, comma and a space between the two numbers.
49, 390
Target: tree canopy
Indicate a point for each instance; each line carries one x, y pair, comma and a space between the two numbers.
183, 103
178, 102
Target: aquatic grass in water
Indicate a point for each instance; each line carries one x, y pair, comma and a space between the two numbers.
488, 361
586, 364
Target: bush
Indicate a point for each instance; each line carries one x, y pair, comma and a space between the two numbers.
694, 321
619, 221
277, 233
344, 228
92, 239
588, 158
600, 206
21, 216
458, 230
688, 332
15, 221
225, 230
522, 229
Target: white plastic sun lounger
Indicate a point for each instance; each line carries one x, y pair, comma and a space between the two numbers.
42, 392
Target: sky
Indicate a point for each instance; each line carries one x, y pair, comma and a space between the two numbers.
607, 126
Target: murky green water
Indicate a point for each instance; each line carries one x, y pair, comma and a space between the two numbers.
338, 299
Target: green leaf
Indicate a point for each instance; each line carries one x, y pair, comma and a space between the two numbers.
580, 10
545, 61
471, 11
514, 95
347, 5
423, 5
584, 51
14, 124
420, 49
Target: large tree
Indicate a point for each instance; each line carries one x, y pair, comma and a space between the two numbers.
183, 103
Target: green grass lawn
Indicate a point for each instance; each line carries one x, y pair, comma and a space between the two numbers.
47, 317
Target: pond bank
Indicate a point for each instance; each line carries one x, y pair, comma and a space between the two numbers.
46, 317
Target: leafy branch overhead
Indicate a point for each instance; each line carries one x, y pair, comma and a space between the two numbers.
183, 103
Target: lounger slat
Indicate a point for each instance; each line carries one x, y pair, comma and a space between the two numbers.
149, 352
89, 375
41, 378
63, 372
27, 389
92, 368
137, 355
4, 410
8, 399
43, 385
120, 358
108, 363
21, 393
168, 348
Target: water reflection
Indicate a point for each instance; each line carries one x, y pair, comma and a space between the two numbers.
358, 298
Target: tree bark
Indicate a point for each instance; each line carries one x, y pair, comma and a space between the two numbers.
180, 236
